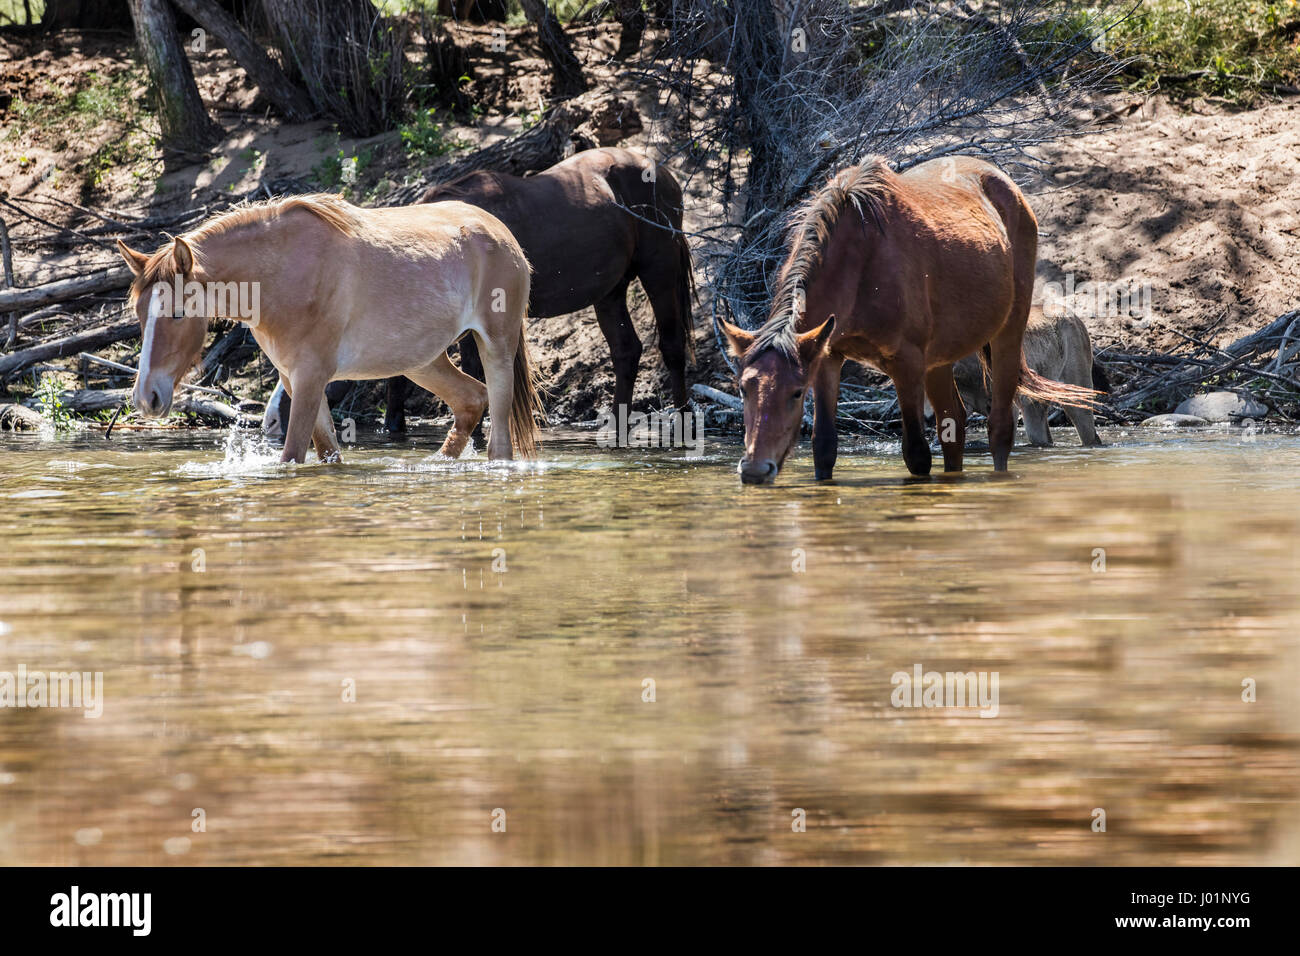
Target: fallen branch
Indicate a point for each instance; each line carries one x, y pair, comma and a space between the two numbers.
116, 277
92, 338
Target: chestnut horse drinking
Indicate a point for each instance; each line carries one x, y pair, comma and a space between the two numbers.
573, 223
346, 292
921, 269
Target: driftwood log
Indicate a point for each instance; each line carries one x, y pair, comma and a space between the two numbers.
84, 340
106, 280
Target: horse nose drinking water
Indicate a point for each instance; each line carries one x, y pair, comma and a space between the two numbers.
907, 273
347, 292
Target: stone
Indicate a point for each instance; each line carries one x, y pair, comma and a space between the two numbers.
1222, 407
1174, 421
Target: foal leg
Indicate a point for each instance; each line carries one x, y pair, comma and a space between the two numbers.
472, 365
624, 343
908, 373
1035, 414
949, 415
826, 399
1085, 424
467, 397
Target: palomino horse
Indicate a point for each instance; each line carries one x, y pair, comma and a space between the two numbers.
924, 268
574, 224
346, 292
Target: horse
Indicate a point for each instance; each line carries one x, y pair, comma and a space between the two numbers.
1057, 346
590, 225
924, 267
346, 292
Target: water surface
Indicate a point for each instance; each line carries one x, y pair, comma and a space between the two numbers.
360, 664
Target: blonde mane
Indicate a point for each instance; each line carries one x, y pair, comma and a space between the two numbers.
328, 207
864, 187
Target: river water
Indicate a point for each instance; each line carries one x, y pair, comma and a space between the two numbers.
624, 657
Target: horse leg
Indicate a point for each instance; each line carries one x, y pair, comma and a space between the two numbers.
304, 410
908, 375
466, 397
395, 411
323, 437
624, 343
826, 399
663, 286
499, 366
1035, 415
472, 365
1006, 360
1085, 424
949, 415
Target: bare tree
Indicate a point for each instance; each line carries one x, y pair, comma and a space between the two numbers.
289, 101
809, 86
565, 68
350, 58
184, 120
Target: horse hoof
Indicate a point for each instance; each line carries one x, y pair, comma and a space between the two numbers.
823, 475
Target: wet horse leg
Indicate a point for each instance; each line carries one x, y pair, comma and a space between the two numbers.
624, 343
322, 436
826, 399
949, 415
499, 368
1036, 415
467, 398
308, 385
472, 365
395, 407
1005, 351
907, 372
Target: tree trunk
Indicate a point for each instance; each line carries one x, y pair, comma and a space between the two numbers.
184, 120
565, 68
289, 101
632, 19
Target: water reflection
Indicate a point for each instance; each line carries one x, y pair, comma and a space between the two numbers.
359, 664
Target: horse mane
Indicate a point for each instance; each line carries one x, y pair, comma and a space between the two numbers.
330, 208
864, 187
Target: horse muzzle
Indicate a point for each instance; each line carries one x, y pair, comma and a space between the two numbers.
762, 472
153, 398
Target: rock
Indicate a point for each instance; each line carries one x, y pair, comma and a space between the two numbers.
19, 418
1175, 421
1222, 407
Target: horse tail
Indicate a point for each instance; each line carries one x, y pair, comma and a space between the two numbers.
526, 405
1040, 389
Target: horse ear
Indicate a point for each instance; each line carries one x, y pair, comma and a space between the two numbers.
135, 261
739, 339
811, 344
183, 255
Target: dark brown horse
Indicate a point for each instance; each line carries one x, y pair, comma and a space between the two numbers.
583, 225
922, 269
